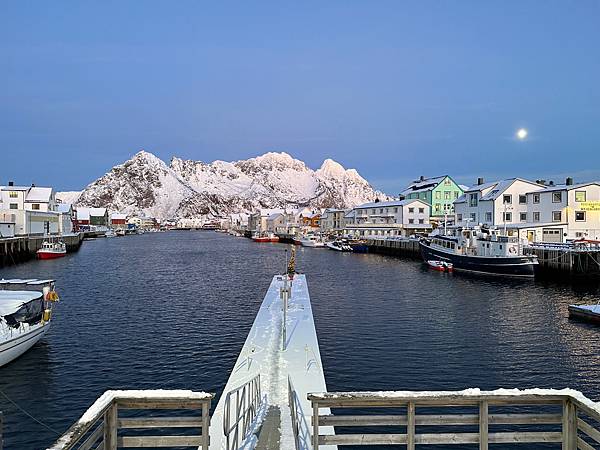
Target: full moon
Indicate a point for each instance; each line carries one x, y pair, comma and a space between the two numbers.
522, 133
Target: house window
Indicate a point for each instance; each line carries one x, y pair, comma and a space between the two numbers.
447, 182
455, 194
459, 217
488, 216
580, 196
446, 195
381, 211
13, 194
437, 207
472, 199
522, 199
580, 216
411, 210
556, 216
507, 217
14, 206
473, 217
556, 197
421, 210
395, 210
35, 206
536, 198
411, 220
373, 211
536, 216
421, 220
438, 195
507, 198
523, 217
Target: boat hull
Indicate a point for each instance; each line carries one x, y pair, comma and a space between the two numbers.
585, 313
50, 255
17, 345
517, 266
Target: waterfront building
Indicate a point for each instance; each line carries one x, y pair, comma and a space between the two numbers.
118, 220
238, 222
32, 209
143, 222
67, 218
560, 213
438, 192
277, 223
7, 225
87, 217
499, 203
257, 221
332, 220
392, 218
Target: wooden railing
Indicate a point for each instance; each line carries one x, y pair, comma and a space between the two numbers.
101, 427
564, 417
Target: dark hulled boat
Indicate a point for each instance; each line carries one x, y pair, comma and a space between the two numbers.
481, 251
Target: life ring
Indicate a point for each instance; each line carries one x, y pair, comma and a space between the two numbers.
512, 250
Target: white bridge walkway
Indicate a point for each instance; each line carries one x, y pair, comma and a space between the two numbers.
277, 368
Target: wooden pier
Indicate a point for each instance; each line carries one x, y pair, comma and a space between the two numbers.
23, 248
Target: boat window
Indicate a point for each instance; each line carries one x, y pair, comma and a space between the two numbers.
30, 313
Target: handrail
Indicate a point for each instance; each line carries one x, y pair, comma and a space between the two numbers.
300, 426
247, 400
561, 416
98, 427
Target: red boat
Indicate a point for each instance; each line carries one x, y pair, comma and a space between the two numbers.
441, 266
52, 250
266, 238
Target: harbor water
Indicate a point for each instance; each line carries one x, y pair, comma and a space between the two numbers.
172, 310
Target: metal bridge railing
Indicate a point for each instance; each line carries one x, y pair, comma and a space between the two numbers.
241, 403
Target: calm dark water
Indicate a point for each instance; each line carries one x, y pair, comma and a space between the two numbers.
172, 310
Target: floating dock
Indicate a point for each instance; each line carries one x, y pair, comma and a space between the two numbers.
278, 366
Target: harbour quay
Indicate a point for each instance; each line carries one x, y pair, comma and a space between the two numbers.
19, 249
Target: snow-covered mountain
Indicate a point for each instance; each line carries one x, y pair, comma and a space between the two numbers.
147, 185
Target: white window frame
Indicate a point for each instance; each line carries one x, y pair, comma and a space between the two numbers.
559, 216
584, 216
554, 194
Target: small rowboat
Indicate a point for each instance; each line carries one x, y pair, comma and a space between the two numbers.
441, 266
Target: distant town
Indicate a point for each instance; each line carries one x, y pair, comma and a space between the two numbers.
535, 211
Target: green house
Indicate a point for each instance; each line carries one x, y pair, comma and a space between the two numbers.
439, 192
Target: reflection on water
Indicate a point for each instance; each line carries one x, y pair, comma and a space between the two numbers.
172, 310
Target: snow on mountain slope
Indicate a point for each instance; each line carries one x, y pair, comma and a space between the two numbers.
69, 197
185, 188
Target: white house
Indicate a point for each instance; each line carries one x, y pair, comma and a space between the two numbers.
392, 218
257, 222
65, 223
32, 209
500, 203
332, 220
562, 212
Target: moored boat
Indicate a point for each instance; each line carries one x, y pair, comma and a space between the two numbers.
480, 250
585, 313
52, 250
311, 241
339, 245
441, 266
25, 315
265, 237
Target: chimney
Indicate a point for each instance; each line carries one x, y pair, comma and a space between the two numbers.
32, 184
569, 181
421, 178
551, 183
377, 200
479, 181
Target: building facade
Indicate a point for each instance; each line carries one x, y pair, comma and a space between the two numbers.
393, 218
439, 192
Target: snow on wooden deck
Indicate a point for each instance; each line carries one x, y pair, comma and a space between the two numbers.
262, 354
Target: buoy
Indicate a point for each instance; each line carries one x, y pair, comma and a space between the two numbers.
47, 315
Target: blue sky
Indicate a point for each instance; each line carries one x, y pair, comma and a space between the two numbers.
395, 89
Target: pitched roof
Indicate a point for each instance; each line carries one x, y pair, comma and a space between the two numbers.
39, 194
64, 207
423, 185
564, 187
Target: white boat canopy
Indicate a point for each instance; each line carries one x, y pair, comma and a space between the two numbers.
12, 301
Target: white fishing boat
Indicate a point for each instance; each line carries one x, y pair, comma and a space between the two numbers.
110, 233
340, 245
25, 315
311, 241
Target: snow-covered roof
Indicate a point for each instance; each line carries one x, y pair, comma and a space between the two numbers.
422, 185
15, 188
390, 203
564, 187
350, 214
86, 213
39, 194
481, 187
274, 216
118, 216
63, 207
503, 185
12, 301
